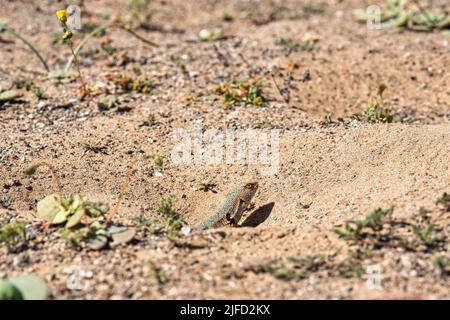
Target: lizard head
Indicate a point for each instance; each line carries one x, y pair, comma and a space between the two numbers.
251, 185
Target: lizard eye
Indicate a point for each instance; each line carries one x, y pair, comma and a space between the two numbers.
251, 185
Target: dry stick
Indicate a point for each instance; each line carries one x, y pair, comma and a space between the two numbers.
123, 188
278, 89
130, 31
18, 36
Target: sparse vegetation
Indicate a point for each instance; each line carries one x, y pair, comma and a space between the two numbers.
169, 225
291, 45
249, 92
407, 14
151, 118
375, 110
5, 201
293, 268
172, 221
426, 234
13, 235
444, 201
215, 72
24, 287
68, 39
226, 15
158, 273
367, 228
141, 12
86, 223
443, 265
349, 269
127, 84
378, 230
158, 160
93, 146
29, 85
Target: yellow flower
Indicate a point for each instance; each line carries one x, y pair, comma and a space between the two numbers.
62, 15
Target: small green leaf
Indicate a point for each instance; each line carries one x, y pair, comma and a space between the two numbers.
75, 218
49, 207
9, 292
158, 160
8, 95
96, 209
31, 287
115, 229
31, 169
60, 217
97, 243
123, 237
60, 76
76, 203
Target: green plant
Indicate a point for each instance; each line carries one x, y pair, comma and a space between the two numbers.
147, 224
226, 15
409, 15
158, 273
444, 200
151, 118
211, 35
83, 219
29, 85
426, 234
357, 229
318, 8
375, 109
68, 39
5, 201
250, 92
172, 221
293, 268
13, 234
126, 84
170, 225
93, 146
350, 269
69, 211
281, 271
98, 235
158, 160
26, 287
140, 11
291, 45
443, 264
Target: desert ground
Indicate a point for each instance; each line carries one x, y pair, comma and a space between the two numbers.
319, 67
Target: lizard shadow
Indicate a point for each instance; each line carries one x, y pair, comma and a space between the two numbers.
259, 215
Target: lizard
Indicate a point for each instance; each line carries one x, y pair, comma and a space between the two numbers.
236, 202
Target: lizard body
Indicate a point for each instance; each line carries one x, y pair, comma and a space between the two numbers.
236, 202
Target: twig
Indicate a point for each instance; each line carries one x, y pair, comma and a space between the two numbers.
123, 188
134, 34
278, 89
18, 36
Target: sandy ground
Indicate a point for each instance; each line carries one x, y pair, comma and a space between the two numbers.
329, 171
